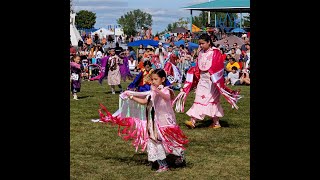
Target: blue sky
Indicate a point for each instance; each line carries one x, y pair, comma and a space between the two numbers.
163, 11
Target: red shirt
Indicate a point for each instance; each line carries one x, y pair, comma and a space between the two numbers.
224, 56
73, 50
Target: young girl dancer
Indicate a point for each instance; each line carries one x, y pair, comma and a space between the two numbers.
114, 75
75, 68
159, 133
207, 76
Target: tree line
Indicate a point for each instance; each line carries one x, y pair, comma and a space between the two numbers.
133, 21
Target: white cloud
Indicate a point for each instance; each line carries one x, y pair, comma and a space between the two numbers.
108, 11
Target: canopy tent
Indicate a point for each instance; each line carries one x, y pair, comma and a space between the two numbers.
231, 40
74, 33
105, 32
195, 28
87, 31
144, 42
232, 6
229, 6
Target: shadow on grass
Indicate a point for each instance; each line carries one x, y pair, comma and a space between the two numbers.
110, 92
142, 159
83, 97
207, 123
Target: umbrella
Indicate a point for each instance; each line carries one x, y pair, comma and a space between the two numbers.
238, 30
191, 44
144, 42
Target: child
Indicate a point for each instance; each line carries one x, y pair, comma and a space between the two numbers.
75, 68
207, 76
142, 81
161, 134
114, 76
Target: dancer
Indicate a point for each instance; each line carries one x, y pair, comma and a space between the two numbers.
75, 68
114, 76
160, 133
207, 76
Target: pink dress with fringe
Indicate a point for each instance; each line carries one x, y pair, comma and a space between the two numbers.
207, 100
159, 134
164, 118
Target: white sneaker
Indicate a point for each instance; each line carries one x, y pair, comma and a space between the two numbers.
113, 92
75, 97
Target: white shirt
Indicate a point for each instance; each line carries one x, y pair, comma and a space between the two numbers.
233, 77
132, 64
99, 55
238, 51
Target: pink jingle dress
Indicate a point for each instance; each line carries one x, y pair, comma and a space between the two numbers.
152, 127
159, 144
207, 100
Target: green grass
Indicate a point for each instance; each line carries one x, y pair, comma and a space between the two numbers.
97, 152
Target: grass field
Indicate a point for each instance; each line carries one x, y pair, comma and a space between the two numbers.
97, 152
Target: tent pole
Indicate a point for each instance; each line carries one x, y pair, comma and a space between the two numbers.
191, 21
240, 19
209, 16
215, 19
114, 33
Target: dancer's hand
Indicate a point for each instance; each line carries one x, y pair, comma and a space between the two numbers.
155, 89
127, 93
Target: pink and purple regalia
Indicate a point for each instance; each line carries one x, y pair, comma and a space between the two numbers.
124, 69
103, 73
209, 68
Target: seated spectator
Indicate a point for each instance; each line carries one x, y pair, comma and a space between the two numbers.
235, 78
140, 50
232, 63
148, 53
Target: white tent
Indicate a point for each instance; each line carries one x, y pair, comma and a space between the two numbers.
74, 33
105, 32
119, 32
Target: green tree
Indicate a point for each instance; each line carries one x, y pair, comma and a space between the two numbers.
174, 25
183, 23
85, 19
169, 27
196, 20
134, 20
246, 21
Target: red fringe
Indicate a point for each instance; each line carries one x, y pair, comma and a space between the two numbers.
173, 137
129, 130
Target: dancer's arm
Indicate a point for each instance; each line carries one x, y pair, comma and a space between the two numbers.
165, 96
142, 101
